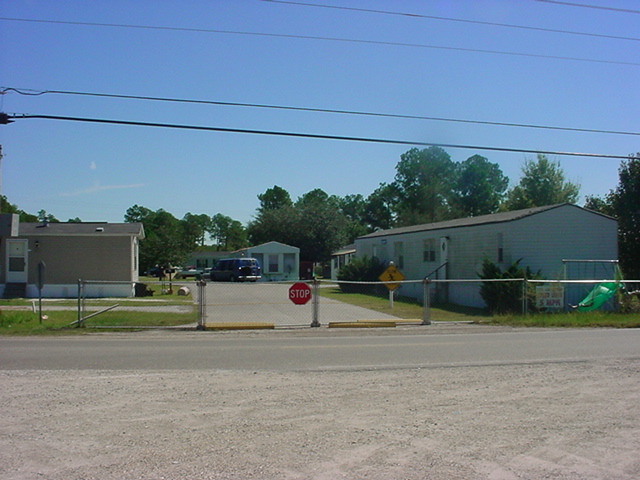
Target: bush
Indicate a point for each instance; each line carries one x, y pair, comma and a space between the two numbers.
360, 269
505, 297
141, 290
630, 302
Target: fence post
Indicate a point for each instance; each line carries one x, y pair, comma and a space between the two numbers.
315, 322
202, 305
80, 303
426, 311
525, 300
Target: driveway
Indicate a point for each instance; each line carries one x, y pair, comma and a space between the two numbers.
269, 302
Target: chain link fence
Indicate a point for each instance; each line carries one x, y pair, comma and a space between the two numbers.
151, 304
227, 305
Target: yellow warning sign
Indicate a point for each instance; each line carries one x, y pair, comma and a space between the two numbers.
391, 276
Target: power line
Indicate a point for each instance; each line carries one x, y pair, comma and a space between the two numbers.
459, 20
310, 109
329, 39
313, 136
597, 7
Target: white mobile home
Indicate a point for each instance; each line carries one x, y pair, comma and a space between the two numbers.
542, 237
279, 262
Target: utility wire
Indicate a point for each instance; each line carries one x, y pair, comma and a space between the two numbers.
29, 92
598, 7
459, 20
312, 135
329, 39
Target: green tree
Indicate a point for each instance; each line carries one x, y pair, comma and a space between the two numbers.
314, 223
479, 187
165, 243
599, 204
43, 217
322, 227
227, 233
353, 208
278, 225
542, 183
380, 208
625, 203
196, 227
273, 199
74, 220
424, 181
7, 207
136, 213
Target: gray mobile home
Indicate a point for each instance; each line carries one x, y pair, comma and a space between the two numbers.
70, 252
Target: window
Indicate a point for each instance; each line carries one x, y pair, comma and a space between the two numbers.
273, 263
429, 250
398, 253
500, 248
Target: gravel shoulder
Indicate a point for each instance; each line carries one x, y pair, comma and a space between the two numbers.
569, 420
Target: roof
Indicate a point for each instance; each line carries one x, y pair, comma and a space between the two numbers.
345, 250
472, 221
256, 247
81, 229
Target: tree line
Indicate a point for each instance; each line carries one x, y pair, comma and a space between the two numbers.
428, 187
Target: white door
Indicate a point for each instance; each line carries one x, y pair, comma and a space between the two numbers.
16, 261
444, 256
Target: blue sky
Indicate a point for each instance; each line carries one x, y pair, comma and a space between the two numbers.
96, 172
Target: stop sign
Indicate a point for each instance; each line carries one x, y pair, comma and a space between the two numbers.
300, 293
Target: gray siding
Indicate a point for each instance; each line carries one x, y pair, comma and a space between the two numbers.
68, 259
543, 241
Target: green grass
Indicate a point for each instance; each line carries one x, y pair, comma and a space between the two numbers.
570, 320
405, 307
25, 322
410, 309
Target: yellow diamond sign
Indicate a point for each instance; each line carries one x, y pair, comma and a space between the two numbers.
391, 276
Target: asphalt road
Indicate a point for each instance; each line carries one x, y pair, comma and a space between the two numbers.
317, 349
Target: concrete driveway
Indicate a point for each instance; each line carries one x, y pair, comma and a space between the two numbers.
269, 302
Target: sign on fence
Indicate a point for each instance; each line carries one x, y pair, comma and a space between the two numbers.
300, 293
550, 296
391, 276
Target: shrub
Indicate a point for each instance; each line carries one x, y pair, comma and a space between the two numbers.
360, 269
505, 297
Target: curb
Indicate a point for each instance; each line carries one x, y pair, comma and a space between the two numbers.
363, 324
240, 326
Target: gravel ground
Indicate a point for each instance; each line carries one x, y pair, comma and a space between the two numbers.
556, 420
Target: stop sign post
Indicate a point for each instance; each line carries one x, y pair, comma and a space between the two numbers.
300, 293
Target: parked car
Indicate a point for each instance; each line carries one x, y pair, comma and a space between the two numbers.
188, 272
161, 272
236, 270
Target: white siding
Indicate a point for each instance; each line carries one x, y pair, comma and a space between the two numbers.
541, 240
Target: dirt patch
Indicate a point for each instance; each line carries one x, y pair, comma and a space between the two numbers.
559, 420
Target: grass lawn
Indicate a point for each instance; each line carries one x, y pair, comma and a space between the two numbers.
406, 307
410, 309
25, 322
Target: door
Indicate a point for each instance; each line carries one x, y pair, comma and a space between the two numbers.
444, 256
16, 261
